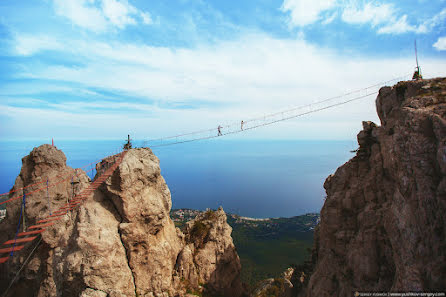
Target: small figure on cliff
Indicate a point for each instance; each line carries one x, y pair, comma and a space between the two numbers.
219, 130
128, 145
241, 125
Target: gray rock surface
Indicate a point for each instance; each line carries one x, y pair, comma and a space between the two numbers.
383, 224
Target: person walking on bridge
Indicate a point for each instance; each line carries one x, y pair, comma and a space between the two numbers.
219, 130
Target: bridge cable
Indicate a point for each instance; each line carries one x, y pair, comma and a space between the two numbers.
273, 121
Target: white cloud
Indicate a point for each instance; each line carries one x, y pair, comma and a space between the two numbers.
146, 18
100, 15
385, 17
440, 44
398, 27
372, 13
431, 23
81, 13
119, 13
250, 76
27, 45
401, 25
330, 19
305, 12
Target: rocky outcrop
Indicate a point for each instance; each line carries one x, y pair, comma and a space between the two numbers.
209, 256
121, 241
45, 163
383, 223
278, 287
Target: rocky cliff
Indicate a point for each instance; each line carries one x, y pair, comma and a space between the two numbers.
121, 241
383, 223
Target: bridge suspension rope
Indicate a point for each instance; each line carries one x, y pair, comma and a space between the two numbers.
269, 119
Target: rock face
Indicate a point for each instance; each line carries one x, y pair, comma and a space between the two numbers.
121, 242
383, 224
43, 163
279, 287
209, 255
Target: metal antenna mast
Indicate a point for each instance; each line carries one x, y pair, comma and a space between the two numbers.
417, 74
416, 54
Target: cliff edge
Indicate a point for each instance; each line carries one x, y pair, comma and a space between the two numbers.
383, 223
121, 241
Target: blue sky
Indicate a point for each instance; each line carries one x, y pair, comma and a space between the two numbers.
106, 68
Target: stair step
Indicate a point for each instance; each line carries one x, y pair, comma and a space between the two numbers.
30, 232
4, 259
40, 226
49, 220
10, 249
19, 240
59, 211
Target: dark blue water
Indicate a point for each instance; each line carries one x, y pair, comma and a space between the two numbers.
251, 178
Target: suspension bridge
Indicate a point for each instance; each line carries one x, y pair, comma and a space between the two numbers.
32, 233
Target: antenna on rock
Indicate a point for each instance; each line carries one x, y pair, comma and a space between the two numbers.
128, 145
417, 74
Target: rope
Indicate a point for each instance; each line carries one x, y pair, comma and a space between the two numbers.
272, 120
246, 123
21, 268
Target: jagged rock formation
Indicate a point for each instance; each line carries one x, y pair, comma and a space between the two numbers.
279, 287
383, 224
43, 163
210, 255
122, 242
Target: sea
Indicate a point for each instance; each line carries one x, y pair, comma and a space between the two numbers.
253, 178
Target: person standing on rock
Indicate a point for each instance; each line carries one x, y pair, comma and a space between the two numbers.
219, 130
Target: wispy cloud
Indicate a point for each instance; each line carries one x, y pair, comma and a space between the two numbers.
231, 71
27, 45
249, 76
401, 25
429, 24
101, 15
398, 27
384, 17
372, 13
440, 44
330, 19
305, 12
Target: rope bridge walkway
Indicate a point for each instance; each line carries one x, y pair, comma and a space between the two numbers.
269, 119
28, 236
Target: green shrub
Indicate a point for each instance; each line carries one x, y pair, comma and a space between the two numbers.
198, 233
209, 215
276, 288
